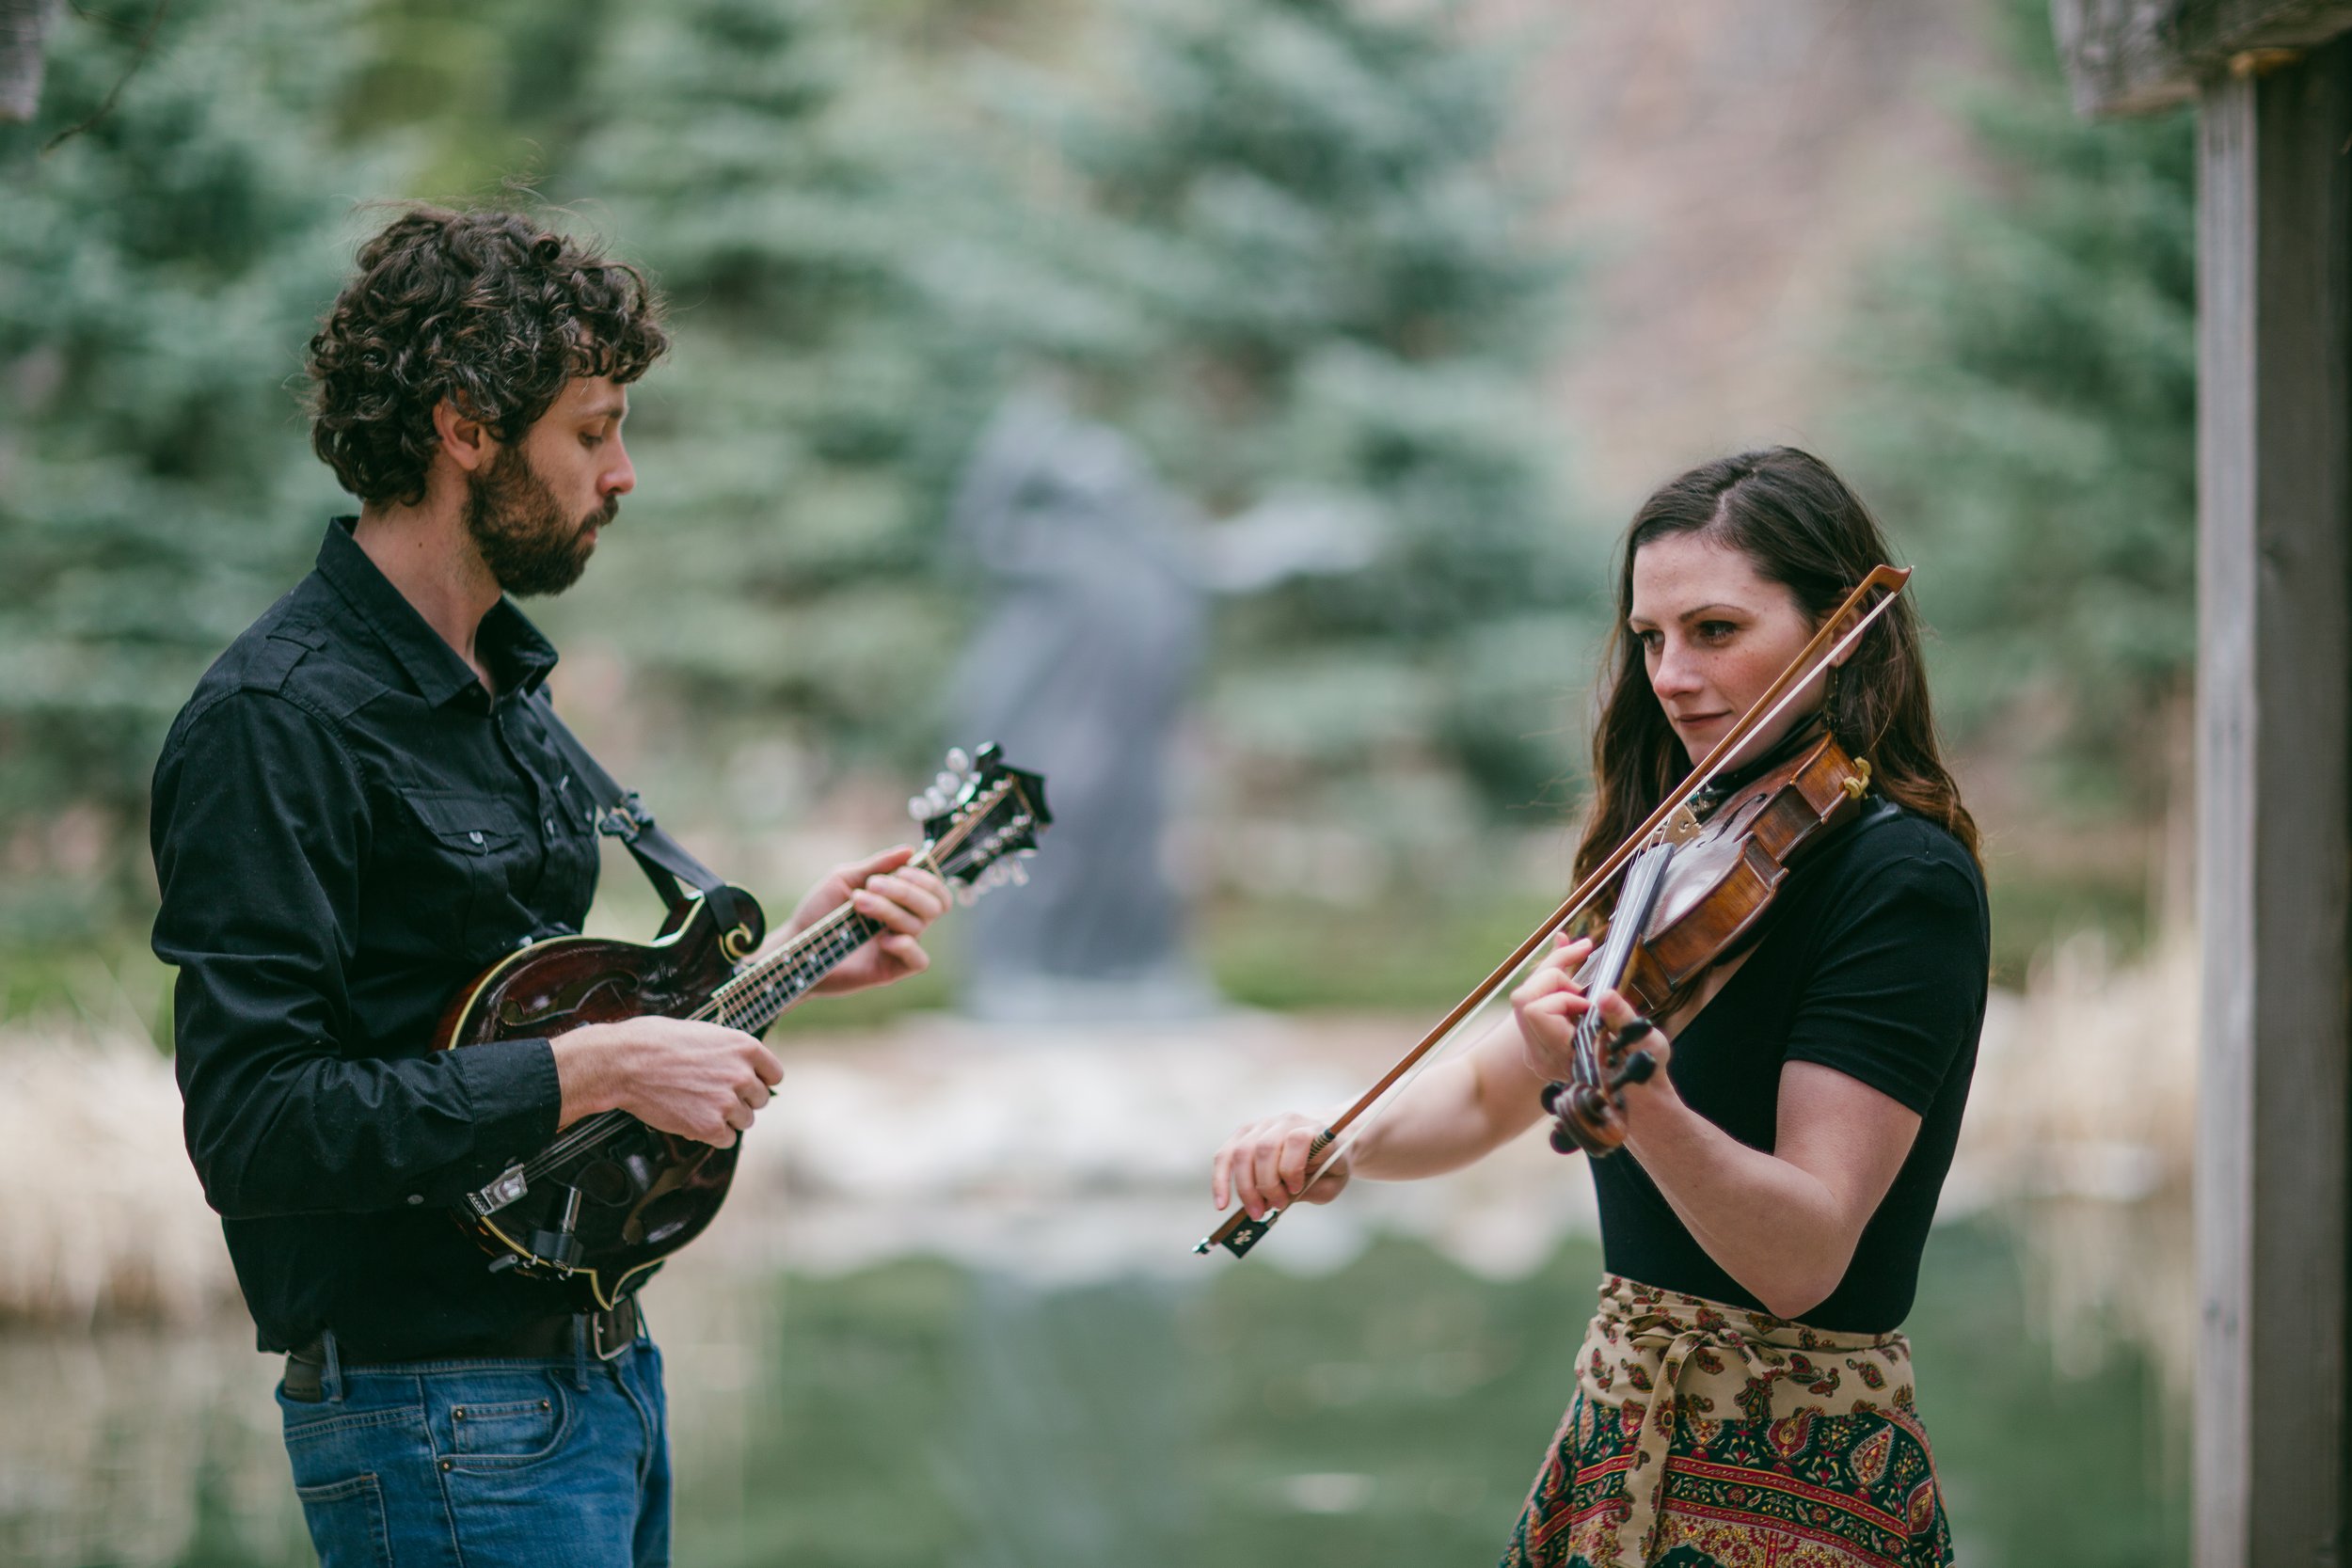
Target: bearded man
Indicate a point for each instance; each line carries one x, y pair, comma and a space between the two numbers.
361, 807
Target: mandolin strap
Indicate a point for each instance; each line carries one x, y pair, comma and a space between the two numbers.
665, 862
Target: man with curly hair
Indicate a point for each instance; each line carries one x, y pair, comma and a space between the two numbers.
362, 806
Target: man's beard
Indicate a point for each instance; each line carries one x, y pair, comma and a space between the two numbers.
517, 523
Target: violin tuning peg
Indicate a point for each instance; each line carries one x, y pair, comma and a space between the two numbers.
959, 762
1637, 1069
1551, 1098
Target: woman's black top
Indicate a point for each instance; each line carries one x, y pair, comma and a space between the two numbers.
1874, 961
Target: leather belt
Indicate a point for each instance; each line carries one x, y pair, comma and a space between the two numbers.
611, 1331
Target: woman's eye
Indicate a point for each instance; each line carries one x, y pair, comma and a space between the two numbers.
1715, 631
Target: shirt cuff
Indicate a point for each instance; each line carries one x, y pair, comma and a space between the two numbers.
515, 1096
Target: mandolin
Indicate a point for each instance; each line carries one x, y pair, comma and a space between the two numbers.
611, 1198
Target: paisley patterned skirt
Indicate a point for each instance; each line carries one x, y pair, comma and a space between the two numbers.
1704, 1436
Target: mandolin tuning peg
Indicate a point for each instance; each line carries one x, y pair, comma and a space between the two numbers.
966, 894
948, 783
1016, 872
919, 807
959, 762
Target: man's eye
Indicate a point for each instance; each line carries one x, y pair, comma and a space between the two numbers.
591, 440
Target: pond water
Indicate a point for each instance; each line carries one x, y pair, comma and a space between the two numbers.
921, 1412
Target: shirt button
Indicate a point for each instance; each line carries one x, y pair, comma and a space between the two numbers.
476, 836
415, 1198
550, 824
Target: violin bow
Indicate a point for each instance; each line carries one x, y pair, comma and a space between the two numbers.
1238, 1234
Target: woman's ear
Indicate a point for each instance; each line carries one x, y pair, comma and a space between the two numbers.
1845, 624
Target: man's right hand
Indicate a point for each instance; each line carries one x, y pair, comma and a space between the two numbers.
699, 1080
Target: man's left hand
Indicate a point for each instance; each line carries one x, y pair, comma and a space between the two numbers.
901, 898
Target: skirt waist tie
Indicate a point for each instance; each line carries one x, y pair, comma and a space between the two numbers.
1666, 1364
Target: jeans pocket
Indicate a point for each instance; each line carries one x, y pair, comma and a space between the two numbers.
516, 1425
348, 1526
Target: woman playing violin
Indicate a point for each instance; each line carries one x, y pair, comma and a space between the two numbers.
1743, 1393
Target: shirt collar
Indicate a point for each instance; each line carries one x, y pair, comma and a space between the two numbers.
515, 652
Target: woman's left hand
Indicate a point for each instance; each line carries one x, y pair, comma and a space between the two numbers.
1550, 1005
1616, 1013
1547, 1006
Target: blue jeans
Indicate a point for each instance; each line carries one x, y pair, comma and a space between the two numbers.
487, 1464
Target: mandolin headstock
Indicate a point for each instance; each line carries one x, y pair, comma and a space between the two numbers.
981, 818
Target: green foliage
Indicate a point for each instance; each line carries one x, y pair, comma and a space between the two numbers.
1267, 240
2028, 417
779, 563
159, 273
1277, 250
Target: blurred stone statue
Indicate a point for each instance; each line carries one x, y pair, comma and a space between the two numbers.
1101, 579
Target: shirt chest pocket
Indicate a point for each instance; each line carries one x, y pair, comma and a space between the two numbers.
461, 862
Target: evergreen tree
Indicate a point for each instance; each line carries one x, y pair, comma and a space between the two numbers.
1283, 257
776, 169
159, 273
2029, 418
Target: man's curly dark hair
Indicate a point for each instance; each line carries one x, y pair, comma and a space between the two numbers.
489, 309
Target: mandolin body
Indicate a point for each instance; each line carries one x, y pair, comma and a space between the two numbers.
611, 1197
601, 1216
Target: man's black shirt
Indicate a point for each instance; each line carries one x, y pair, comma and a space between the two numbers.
347, 827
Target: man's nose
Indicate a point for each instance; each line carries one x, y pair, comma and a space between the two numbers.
620, 479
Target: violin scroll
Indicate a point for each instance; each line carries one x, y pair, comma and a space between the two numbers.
1590, 1117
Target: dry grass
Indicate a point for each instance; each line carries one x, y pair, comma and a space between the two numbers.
2082, 1129
104, 1218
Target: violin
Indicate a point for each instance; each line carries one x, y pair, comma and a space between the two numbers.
1697, 880
1692, 899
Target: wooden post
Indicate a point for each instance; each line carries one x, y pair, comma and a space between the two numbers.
2275, 811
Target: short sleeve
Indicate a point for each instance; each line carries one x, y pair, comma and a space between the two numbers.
1899, 988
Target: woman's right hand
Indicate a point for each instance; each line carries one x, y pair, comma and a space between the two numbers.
1263, 1166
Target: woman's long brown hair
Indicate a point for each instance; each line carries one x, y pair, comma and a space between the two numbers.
1804, 528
